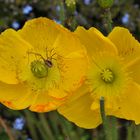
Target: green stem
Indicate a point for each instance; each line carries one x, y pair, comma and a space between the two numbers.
65, 129
102, 110
31, 125
62, 12
130, 132
46, 127
104, 119
114, 130
108, 18
136, 129
43, 134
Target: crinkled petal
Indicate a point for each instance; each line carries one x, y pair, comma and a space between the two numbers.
134, 70
77, 109
129, 103
41, 33
44, 103
68, 43
94, 41
73, 73
12, 53
128, 47
57, 93
72, 61
15, 96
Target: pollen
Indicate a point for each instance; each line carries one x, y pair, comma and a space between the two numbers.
107, 76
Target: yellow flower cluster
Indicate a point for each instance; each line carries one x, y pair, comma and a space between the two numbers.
45, 67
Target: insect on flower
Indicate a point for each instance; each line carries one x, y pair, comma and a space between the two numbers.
40, 67
37, 72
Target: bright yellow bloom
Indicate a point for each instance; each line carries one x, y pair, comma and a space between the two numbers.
113, 74
40, 65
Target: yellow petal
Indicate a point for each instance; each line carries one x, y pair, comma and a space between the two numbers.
44, 103
128, 47
73, 73
95, 105
15, 96
41, 33
57, 93
77, 110
94, 41
134, 70
128, 105
68, 43
111, 104
72, 61
44, 34
12, 52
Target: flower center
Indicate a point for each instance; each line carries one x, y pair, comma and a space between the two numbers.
39, 69
107, 76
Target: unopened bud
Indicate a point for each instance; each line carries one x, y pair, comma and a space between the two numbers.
105, 3
70, 3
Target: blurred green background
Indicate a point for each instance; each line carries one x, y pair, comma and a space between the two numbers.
26, 125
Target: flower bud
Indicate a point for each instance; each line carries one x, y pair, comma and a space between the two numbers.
105, 3
70, 3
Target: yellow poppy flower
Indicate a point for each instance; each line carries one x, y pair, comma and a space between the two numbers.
40, 65
113, 74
